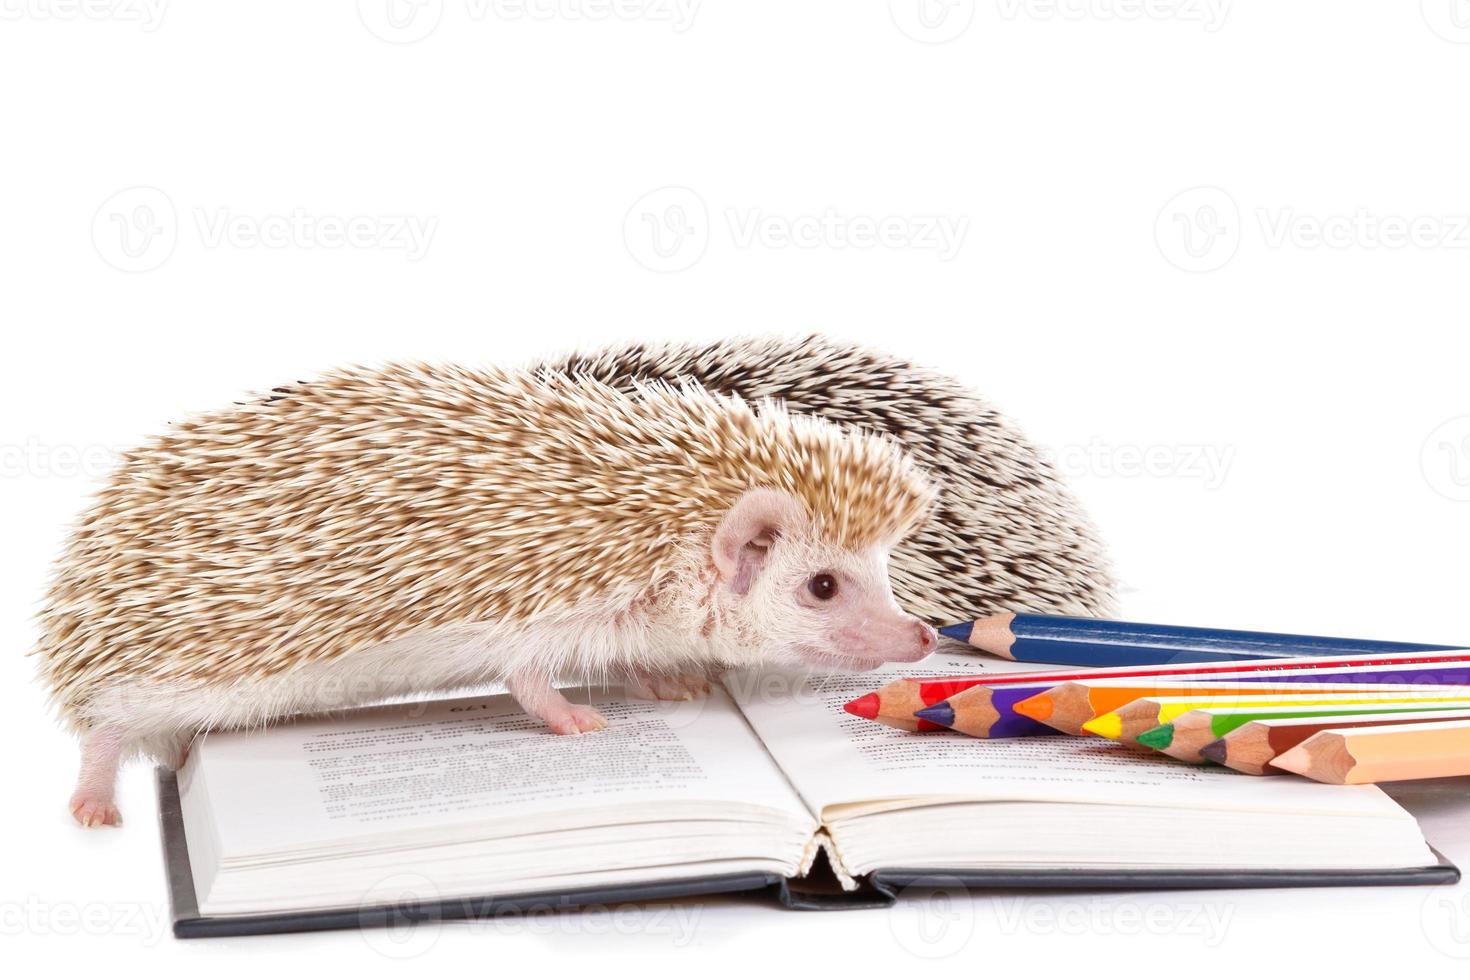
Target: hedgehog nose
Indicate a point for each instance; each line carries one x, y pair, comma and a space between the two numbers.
928, 639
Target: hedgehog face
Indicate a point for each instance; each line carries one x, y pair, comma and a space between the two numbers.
799, 598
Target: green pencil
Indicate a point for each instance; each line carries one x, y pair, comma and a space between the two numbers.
1183, 737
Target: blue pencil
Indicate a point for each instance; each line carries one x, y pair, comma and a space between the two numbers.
1029, 638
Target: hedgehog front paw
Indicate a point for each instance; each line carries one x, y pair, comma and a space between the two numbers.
574, 719
95, 811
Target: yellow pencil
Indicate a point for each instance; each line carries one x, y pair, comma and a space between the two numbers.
1137, 717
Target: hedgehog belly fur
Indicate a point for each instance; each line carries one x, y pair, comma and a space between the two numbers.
595, 643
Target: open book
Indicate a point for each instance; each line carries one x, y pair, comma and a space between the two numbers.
308, 824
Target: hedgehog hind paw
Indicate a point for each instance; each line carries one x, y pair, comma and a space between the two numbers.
669, 687
95, 811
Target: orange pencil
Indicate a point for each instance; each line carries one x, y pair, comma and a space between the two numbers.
1382, 754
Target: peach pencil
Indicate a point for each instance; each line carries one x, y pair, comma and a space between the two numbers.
1251, 747
1383, 754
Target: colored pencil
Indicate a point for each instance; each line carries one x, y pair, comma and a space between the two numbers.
1185, 737
1067, 707
1064, 708
1032, 638
1132, 720
1251, 747
949, 711
894, 704
1382, 754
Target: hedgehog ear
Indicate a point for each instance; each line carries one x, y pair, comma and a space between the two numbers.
752, 524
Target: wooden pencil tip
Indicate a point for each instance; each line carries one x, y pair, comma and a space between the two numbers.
1295, 759
1157, 738
1215, 752
939, 714
864, 707
959, 631
1038, 707
1108, 725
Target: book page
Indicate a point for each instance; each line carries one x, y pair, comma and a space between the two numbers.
844, 765
481, 764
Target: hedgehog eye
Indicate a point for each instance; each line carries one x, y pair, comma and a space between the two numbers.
823, 586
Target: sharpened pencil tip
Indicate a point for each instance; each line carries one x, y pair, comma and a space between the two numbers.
959, 631
864, 707
939, 714
1038, 707
1214, 752
1157, 738
1108, 725
1294, 759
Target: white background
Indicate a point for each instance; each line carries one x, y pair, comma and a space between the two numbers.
1213, 254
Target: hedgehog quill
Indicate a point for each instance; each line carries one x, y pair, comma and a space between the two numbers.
386, 532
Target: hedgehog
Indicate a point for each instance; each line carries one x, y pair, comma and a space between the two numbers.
383, 532
1005, 534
